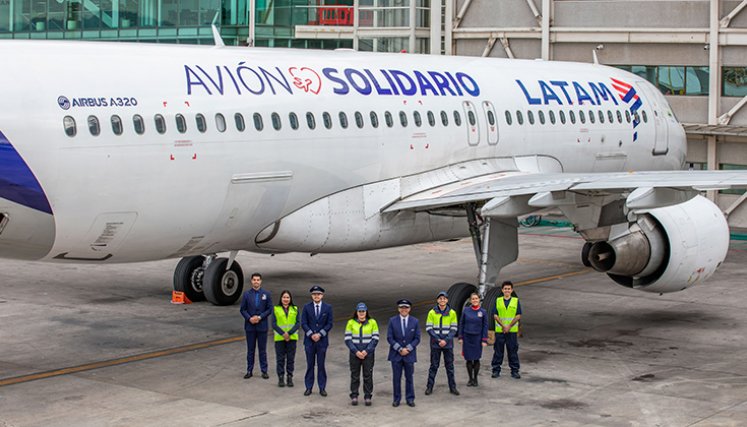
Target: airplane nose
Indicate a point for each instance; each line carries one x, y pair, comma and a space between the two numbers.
25, 233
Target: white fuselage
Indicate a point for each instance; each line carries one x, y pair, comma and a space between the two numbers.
134, 197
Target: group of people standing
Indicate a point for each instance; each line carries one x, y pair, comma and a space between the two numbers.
362, 337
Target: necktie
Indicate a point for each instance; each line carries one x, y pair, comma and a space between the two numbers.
404, 326
317, 311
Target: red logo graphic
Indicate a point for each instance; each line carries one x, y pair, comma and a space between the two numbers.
306, 79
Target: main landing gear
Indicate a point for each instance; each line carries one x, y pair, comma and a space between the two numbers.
495, 242
218, 280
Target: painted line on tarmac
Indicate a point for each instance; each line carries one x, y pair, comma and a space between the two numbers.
199, 346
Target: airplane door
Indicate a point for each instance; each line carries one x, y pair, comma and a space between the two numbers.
491, 121
473, 130
661, 129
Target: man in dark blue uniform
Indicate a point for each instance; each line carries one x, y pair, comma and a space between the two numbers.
403, 335
316, 321
256, 307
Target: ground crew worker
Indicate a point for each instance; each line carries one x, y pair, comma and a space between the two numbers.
403, 335
256, 307
316, 321
441, 325
473, 334
361, 337
507, 315
285, 324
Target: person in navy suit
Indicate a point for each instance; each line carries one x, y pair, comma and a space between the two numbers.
316, 321
403, 336
256, 307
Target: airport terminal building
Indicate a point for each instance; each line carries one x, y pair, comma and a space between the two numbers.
694, 51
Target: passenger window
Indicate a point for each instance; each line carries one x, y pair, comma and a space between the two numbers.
551, 113
293, 119
181, 124
627, 116
93, 125
541, 115
220, 122
610, 117
519, 117
508, 117
457, 118
601, 116
240, 124
327, 119
374, 119
201, 123
561, 115
636, 117
418, 120
259, 123
444, 118
139, 124
530, 117
310, 120
471, 118
388, 119
591, 117
431, 119
343, 120
160, 124
643, 114
581, 117
619, 117
403, 119
359, 119
276, 123
572, 116
117, 127
491, 118
69, 124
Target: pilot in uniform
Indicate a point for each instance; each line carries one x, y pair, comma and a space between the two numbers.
316, 321
403, 335
256, 308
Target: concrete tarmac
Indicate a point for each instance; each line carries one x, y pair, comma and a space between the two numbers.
90, 345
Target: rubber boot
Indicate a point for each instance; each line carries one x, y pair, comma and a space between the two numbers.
475, 370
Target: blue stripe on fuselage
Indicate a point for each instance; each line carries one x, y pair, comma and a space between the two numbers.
17, 183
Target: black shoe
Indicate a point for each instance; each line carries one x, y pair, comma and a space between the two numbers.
411, 403
470, 383
428, 391
248, 375
495, 375
395, 404
307, 392
454, 391
289, 381
281, 383
265, 375
474, 382
323, 393
515, 375
367, 402
354, 401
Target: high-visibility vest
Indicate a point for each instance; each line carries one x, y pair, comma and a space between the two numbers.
441, 324
361, 334
507, 314
286, 322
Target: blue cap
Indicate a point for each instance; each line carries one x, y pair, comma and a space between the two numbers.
361, 307
316, 289
442, 294
404, 303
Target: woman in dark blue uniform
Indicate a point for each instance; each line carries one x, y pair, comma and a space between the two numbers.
473, 334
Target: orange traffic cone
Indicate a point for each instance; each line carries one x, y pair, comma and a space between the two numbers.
178, 297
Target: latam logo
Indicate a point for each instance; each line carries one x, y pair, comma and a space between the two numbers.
256, 80
629, 96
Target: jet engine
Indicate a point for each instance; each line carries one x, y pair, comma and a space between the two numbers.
667, 249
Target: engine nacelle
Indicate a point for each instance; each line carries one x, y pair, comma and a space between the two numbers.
667, 249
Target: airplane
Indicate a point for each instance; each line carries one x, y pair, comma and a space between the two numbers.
117, 152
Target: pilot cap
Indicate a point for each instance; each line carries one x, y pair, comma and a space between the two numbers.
404, 303
442, 294
316, 289
361, 306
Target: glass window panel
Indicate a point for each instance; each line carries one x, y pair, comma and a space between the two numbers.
388, 118
359, 119
541, 115
519, 117
444, 118
374, 119
310, 120
93, 125
259, 123
201, 123
457, 118
343, 120
418, 120
238, 118
220, 122
327, 118
671, 80
582, 117
117, 127
734, 81
181, 123
572, 116
561, 114
293, 119
591, 117
530, 117
160, 124
508, 117
431, 119
139, 124
403, 118
276, 123
696, 80
648, 72
69, 124
551, 113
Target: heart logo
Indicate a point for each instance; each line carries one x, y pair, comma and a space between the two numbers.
306, 79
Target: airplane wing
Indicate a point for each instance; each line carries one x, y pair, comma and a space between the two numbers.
509, 194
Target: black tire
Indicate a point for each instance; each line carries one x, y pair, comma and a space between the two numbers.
221, 286
459, 295
585, 254
491, 296
188, 276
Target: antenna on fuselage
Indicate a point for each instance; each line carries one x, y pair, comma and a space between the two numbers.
216, 34
594, 53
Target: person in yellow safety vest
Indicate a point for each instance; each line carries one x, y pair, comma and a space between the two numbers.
361, 337
285, 323
442, 326
507, 314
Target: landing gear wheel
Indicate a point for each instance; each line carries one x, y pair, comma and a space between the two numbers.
459, 296
491, 296
221, 286
188, 277
585, 254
